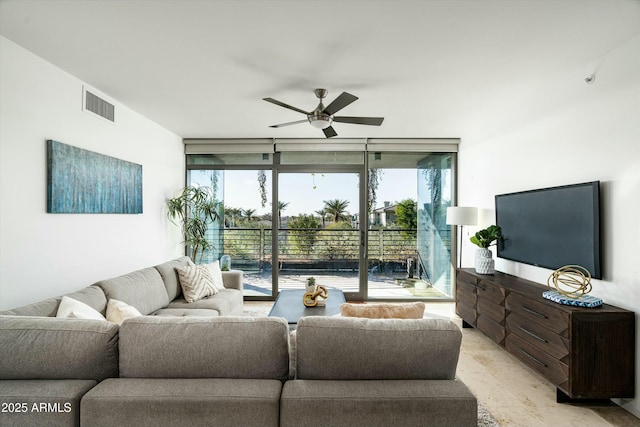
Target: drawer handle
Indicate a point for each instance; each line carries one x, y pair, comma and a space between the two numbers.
533, 358
531, 334
535, 313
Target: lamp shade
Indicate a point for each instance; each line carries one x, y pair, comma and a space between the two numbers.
461, 215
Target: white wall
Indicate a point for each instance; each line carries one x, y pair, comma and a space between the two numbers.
568, 132
44, 255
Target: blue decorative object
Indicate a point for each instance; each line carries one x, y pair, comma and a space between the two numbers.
82, 181
583, 301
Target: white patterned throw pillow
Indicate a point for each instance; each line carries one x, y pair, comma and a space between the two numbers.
74, 309
196, 282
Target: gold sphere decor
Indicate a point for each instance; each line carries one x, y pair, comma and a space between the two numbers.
572, 281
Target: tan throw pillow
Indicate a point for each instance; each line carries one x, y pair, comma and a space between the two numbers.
413, 310
118, 311
216, 274
74, 309
196, 282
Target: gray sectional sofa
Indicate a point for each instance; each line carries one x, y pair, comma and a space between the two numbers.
173, 369
153, 291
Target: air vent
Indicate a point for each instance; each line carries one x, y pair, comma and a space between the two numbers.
99, 106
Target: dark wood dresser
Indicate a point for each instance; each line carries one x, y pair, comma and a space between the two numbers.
587, 353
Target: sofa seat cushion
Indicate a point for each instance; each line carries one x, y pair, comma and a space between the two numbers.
227, 302
182, 312
197, 347
377, 403
42, 402
347, 348
55, 348
182, 402
143, 289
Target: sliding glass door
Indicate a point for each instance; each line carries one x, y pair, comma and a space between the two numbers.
408, 240
319, 229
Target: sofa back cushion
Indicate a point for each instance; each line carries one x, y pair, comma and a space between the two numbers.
55, 348
188, 347
143, 289
47, 307
169, 275
337, 348
93, 296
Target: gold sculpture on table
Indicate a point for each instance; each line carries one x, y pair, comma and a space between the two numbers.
315, 297
575, 278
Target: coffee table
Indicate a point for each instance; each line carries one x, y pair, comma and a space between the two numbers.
289, 305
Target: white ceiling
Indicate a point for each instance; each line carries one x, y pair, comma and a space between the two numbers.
431, 68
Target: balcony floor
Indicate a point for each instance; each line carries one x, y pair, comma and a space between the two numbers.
380, 285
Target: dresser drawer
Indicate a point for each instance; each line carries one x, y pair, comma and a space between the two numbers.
538, 335
495, 312
466, 297
467, 313
550, 367
464, 278
491, 329
490, 291
537, 311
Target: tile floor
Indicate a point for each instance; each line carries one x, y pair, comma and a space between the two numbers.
514, 394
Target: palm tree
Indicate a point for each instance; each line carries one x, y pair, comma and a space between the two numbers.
249, 214
231, 216
281, 206
337, 209
323, 215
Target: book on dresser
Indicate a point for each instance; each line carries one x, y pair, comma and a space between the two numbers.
587, 353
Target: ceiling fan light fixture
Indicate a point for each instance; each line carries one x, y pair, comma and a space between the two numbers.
320, 121
322, 117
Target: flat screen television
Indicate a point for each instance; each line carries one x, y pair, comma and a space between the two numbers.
552, 227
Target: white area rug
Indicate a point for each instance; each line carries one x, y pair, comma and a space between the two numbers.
485, 419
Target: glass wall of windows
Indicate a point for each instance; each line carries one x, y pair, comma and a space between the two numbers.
371, 223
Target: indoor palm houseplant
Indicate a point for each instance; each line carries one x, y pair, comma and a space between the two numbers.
194, 209
484, 262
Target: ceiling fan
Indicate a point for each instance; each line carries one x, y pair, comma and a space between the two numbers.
322, 117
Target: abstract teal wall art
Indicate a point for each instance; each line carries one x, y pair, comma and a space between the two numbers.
82, 181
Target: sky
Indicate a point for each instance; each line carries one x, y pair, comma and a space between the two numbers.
306, 192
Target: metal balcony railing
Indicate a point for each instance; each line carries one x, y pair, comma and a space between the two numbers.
322, 249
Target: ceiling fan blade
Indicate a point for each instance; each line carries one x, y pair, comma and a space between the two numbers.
339, 103
282, 104
371, 121
289, 124
329, 132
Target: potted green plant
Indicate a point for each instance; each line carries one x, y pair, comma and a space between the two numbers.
194, 209
484, 263
311, 284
